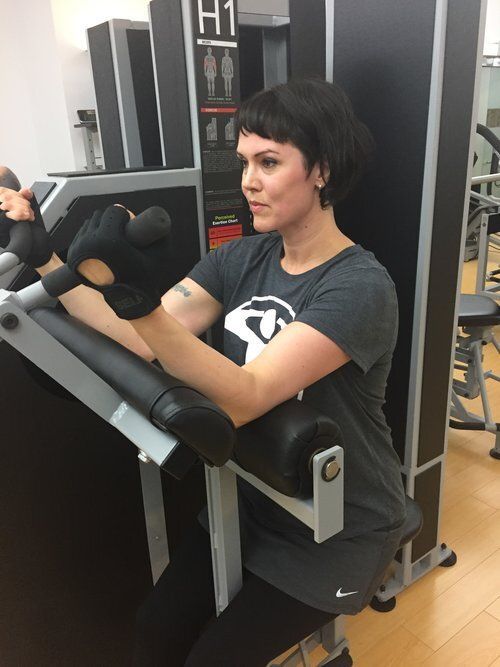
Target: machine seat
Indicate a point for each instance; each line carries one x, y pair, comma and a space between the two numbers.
478, 311
494, 223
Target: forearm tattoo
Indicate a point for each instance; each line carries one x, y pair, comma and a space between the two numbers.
183, 290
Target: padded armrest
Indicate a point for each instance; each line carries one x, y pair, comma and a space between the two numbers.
278, 447
167, 402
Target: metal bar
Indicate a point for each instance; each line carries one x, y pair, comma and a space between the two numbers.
490, 201
222, 500
323, 513
482, 256
329, 38
486, 178
154, 514
8, 261
476, 351
425, 238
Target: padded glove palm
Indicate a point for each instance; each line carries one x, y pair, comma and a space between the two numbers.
135, 291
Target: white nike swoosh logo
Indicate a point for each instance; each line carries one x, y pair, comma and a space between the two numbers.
342, 595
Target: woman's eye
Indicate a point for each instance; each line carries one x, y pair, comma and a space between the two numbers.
243, 164
268, 162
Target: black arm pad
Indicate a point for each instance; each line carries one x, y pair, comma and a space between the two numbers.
167, 402
279, 446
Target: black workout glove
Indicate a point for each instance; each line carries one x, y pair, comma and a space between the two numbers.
41, 243
135, 292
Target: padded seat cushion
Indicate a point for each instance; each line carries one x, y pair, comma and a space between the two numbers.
478, 311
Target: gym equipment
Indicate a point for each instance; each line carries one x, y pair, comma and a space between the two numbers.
78, 494
483, 222
478, 315
422, 169
120, 54
110, 384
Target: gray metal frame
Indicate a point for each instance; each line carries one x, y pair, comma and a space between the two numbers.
469, 353
406, 572
129, 124
331, 637
484, 239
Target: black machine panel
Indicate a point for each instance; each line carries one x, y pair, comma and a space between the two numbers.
105, 89
456, 121
73, 540
307, 38
170, 63
427, 485
388, 81
141, 65
251, 60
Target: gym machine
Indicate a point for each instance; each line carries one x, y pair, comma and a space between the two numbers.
479, 313
172, 426
422, 168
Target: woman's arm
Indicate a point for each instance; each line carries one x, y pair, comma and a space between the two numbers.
295, 358
191, 306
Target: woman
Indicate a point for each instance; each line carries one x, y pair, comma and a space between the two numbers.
306, 312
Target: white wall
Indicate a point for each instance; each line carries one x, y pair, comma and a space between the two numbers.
492, 31
35, 136
47, 78
71, 19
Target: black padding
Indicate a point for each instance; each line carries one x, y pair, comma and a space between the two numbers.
476, 310
413, 523
163, 399
60, 281
279, 446
494, 223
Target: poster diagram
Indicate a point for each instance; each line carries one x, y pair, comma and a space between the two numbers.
229, 130
212, 130
210, 71
227, 72
217, 85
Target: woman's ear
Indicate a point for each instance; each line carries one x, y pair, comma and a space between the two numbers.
325, 172
322, 175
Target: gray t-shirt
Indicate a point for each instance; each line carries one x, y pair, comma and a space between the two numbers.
351, 299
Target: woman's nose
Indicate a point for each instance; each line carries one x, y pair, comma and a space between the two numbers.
249, 179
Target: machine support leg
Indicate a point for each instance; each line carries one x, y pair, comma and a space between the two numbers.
154, 513
482, 258
222, 498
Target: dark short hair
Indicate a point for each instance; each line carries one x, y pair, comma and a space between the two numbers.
317, 117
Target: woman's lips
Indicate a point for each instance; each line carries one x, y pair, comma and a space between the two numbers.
257, 206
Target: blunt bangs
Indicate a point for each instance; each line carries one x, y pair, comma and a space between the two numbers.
267, 114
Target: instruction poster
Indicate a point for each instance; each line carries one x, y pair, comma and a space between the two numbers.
215, 32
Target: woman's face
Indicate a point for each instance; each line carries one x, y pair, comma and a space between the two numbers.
280, 192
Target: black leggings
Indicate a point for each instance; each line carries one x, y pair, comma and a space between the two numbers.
177, 626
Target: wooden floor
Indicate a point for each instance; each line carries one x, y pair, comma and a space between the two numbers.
450, 617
